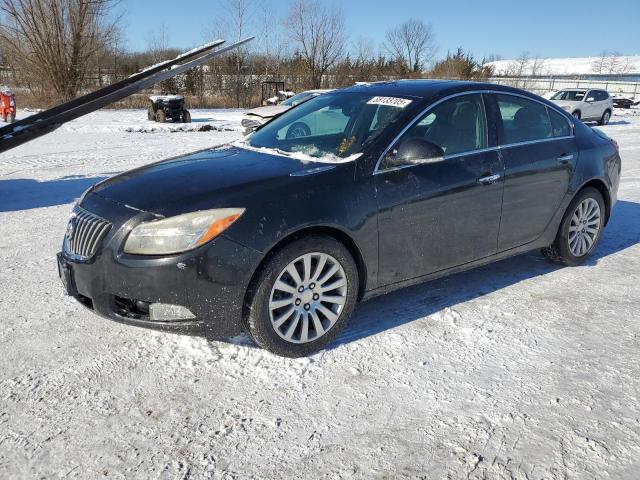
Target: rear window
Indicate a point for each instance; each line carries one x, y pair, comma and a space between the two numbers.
523, 120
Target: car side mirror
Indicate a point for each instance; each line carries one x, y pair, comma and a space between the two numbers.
591, 99
414, 151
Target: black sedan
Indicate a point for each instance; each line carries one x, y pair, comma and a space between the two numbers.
347, 196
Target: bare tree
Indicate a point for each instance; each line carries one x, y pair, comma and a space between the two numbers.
54, 42
272, 45
319, 35
599, 65
235, 22
412, 44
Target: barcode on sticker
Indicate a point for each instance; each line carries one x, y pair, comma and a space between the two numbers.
391, 101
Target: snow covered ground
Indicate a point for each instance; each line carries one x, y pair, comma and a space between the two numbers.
519, 369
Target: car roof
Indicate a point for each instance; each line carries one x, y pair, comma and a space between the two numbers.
426, 88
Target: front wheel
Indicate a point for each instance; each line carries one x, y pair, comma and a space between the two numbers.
298, 130
303, 296
580, 229
161, 117
576, 114
186, 116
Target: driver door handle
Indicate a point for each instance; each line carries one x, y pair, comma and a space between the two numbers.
488, 180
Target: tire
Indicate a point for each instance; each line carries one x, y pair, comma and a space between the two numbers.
161, 117
606, 116
561, 250
186, 116
577, 114
151, 114
265, 312
297, 130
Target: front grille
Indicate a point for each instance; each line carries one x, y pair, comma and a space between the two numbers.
84, 233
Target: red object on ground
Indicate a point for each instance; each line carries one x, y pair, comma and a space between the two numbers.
7, 105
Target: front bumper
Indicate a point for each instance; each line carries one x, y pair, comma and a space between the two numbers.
210, 281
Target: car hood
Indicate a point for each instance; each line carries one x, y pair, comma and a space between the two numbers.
207, 179
267, 112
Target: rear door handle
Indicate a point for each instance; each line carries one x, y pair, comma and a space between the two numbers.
564, 159
489, 179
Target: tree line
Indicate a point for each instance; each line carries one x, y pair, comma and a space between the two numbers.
54, 50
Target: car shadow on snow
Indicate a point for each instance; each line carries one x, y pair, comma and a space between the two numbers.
412, 303
26, 193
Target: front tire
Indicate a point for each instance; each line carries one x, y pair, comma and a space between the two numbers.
298, 130
577, 114
606, 116
303, 296
186, 116
161, 117
580, 229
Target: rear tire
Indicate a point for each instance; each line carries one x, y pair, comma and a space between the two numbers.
606, 116
580, 229
317, 313
161, 117
186, 116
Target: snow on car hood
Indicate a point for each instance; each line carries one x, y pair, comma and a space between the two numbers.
301, 156
268, 112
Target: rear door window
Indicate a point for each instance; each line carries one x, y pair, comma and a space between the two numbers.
559, 124
523, 120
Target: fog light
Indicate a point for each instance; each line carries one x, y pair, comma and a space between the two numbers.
164, 312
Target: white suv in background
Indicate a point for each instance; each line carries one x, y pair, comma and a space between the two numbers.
587, 105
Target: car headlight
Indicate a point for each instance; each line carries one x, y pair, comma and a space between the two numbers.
180, 233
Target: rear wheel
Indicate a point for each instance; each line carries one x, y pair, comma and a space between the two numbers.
186, 116
303, 297
606, 116
580, 229
161, 117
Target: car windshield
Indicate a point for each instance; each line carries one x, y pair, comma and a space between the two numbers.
333, 127
571, 95
297, 99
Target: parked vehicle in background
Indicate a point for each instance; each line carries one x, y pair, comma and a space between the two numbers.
261, 115
170, 107
281, 236
7, 105
593, 105
624, 102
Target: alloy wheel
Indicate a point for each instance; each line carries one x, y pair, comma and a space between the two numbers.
585, 227
308, 297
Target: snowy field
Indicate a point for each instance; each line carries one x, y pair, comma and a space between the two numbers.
516, 370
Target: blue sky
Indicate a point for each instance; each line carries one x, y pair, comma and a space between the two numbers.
559, 28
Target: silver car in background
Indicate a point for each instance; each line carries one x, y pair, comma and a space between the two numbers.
589, 105
261, 115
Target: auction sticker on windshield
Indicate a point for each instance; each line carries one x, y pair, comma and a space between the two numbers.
391, 101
